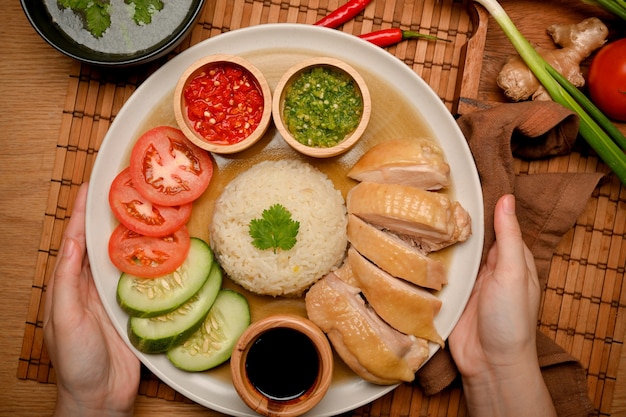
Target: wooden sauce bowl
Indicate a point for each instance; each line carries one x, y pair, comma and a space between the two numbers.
180, 105
267, 351
279, 103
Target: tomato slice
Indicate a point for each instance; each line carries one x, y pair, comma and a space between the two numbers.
139, 214
167, 169
146, 256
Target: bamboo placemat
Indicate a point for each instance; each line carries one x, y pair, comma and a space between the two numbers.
584, 303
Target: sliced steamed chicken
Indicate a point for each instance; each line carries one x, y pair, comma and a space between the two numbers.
430, 218
369, 346
344, 273
395, 255
415, 162
407, 308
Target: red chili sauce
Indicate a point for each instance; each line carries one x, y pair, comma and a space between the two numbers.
225, 104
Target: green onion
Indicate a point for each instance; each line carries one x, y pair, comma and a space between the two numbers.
594, 126
616, 7
590, 108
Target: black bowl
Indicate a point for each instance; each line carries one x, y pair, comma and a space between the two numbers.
39, 17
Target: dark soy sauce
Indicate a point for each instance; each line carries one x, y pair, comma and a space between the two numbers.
282, 364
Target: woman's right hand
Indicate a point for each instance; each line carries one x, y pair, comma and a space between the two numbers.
494, 342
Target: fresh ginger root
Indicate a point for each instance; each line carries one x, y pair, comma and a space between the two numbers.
577, 42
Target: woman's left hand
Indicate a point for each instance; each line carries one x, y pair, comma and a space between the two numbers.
97, 374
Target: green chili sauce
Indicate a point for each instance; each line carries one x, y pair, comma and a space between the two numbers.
322, 106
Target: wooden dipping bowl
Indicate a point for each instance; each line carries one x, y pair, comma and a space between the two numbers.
242, 374
180, 105
279, 100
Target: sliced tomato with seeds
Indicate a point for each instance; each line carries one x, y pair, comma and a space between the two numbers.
167, 169
146, 256
139, 214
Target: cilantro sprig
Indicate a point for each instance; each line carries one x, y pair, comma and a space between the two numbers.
94, 12
97, 16
274, 230
144, 9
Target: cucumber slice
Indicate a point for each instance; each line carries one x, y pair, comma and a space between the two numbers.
213, 343
151, 297
161, 333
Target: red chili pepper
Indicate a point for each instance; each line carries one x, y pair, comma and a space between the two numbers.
343, 13
387, 37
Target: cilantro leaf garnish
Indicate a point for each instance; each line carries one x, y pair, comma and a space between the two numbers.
95, 13
144, 9
97, 17
275, 230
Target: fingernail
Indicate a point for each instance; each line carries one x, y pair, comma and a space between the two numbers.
508, 204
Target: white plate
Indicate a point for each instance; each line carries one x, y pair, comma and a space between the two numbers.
259, 43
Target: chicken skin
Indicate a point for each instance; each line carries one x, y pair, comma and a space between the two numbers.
415, 162
397, 256
431, 218
369, 346
407, 308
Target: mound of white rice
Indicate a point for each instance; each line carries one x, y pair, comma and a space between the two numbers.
312, 200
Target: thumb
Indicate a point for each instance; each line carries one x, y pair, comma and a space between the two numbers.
64, 286
511, 247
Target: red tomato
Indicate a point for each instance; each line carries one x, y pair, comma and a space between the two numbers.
140, 215
167, 169
607, 80
145, 256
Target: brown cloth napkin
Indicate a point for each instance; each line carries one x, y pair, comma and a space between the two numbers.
547, 207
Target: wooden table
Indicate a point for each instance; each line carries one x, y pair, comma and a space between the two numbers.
33, 86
